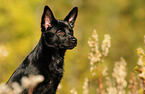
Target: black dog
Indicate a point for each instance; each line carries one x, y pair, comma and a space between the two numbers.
47, 58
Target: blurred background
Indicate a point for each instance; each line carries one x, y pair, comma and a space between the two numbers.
20, 31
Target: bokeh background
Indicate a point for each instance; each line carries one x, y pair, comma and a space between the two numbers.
20, 31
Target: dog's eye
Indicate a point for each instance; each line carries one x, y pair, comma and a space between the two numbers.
60, 33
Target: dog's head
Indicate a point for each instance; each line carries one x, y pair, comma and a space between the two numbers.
58, 33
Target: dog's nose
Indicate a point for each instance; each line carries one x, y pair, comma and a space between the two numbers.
74, 40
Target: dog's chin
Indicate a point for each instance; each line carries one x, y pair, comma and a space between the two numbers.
72, 46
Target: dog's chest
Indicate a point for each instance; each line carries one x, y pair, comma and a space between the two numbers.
51, 66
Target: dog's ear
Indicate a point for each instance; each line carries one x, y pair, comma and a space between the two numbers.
71, 17
47, 18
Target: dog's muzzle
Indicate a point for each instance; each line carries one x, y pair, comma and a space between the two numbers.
73, 43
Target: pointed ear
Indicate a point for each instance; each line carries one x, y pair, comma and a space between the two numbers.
71, 17
47, 18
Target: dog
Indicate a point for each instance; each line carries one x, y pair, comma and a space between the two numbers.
47, 58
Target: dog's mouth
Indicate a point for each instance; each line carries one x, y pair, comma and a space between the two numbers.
70, 46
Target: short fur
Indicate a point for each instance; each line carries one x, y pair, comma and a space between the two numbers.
47, 58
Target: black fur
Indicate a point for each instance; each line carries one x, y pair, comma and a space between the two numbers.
47, 58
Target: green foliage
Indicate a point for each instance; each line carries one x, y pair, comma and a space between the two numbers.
20, 29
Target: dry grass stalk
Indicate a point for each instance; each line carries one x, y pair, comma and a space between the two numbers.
27, 82
97, 56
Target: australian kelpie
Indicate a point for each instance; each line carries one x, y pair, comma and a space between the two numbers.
47, 58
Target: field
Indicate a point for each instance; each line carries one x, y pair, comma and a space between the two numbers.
109, 56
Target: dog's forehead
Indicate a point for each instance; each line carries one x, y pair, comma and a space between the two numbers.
62, 23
